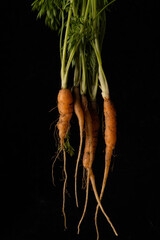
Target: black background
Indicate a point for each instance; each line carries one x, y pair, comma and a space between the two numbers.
30, 80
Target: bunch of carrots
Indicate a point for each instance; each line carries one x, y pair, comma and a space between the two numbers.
81, 25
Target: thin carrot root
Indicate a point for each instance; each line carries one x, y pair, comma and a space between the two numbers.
65, 108
110, 141
80, 115
84, 179
55, 159
86, 202
64, 189
106, 171
92, 179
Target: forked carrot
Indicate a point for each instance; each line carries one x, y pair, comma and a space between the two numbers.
110, 141
80, 115
87, 163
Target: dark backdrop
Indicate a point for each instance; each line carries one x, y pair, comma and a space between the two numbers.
30, 80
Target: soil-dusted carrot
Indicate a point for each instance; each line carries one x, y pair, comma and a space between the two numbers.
95, 131
80, 115
92, 119
88, 158
110, 141
65, 108
88, 150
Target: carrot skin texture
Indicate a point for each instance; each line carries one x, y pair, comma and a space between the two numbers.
65, 108
110, 137
88, 149
110, 124
92, 122
80, 116
78, 108
110, 141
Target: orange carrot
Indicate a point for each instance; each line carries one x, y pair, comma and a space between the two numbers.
110, 141
95, 130
88, 150
95, 124
88, 158
110, 137
65, 108
80, 115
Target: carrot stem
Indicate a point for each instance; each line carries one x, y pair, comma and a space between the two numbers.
64, 84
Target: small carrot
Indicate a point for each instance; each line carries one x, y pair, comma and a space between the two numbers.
80, 115
88, 150
95, 131
110, 141
92, 116
65, 108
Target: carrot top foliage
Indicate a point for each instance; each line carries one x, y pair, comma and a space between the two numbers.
81, 28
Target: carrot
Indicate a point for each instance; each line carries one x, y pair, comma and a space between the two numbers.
80, 115
95, 125
92, 120
110, 141
88, 158
95, 131
65, 108
88, 150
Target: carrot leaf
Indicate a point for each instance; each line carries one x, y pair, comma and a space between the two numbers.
68, 148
